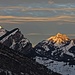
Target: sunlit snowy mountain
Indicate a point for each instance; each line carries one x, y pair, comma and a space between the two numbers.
57, 53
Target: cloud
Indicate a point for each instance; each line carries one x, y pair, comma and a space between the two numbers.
33, 34
39, 34
71, 34
50, 2
30, 8
19, 19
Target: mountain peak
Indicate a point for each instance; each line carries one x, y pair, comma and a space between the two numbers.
0, 27
2, 31
59, 38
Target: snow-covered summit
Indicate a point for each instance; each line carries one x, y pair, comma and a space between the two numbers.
2, 31
59, 38
58, 47
0, 27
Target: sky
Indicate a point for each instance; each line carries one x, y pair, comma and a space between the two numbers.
39, 19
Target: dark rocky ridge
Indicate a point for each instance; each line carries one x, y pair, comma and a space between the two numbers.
15, 39
18, 64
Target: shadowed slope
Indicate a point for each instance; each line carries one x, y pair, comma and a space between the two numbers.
13, 61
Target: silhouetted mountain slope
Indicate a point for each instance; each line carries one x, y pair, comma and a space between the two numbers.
14, 62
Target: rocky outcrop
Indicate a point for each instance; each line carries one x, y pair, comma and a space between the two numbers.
15, 40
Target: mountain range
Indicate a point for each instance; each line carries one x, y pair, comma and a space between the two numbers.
56, 53
15, 52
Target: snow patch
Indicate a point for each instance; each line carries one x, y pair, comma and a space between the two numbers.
59, 67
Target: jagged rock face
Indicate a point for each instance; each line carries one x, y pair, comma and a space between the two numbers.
15, 39
57, 54
59, 50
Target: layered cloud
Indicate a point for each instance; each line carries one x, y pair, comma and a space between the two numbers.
18, 19
45, 12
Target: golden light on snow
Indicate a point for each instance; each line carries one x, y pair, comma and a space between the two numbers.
59, 38
0, 27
